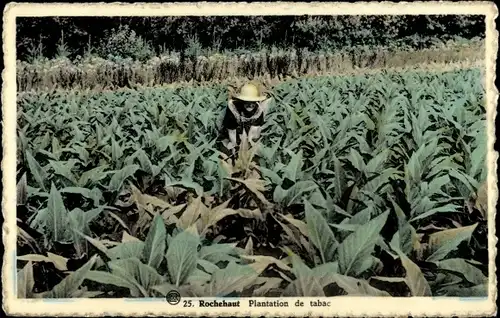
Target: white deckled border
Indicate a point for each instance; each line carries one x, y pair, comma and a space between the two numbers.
341, 306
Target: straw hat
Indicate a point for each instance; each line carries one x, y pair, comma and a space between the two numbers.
250, 93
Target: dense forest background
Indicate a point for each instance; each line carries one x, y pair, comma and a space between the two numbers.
144, 37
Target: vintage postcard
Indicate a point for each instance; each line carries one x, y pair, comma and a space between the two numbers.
249, 159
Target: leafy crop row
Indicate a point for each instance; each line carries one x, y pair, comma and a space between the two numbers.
365, 185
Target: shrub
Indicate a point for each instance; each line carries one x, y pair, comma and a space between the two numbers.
125, 43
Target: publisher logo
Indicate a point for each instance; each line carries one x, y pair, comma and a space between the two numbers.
173, 297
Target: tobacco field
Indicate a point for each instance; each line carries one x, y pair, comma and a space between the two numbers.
362, 185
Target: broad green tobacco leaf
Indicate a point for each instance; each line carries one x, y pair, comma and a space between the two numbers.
261, 262
460, 266
358, 246
93, 176
320, 233
466, 180
94, 194
317, 199
64, 169
269, 283
254, 185
293, 170
146, 164
217, 215
447, 208
461, 291
293, 236
340, 182
36, 170
22, 190
82, 153
362, 217
270, 175
131, 249
182, 256
319, 156
207, 266
136, 271
25, 281
378, 182
216, 253
443, 242
437, 184
102, 250
357, 287
22, 140
120, 176
482, 200
345, 227
404, 238
130, 273
155, 244
478, 161
116, 150
56, 220
295, 194
186, 184
233, 278
325, 273
415, 280
190, 216
440, 164
72, 282
80, 221
356, 160
165, 142
377, 162
305, 284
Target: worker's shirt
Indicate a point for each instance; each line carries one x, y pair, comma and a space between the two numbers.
240, 120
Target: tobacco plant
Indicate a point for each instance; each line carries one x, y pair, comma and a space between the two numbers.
361, 185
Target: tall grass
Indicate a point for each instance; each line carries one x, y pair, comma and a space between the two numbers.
93, 72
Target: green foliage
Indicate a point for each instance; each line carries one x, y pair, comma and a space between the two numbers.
364, 177
125, 43
126, 36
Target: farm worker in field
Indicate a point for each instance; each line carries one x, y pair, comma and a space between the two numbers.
244, 114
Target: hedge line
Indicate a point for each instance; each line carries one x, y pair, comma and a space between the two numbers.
95, 72
144, 37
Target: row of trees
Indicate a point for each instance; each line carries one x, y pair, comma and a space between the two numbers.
143, 37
